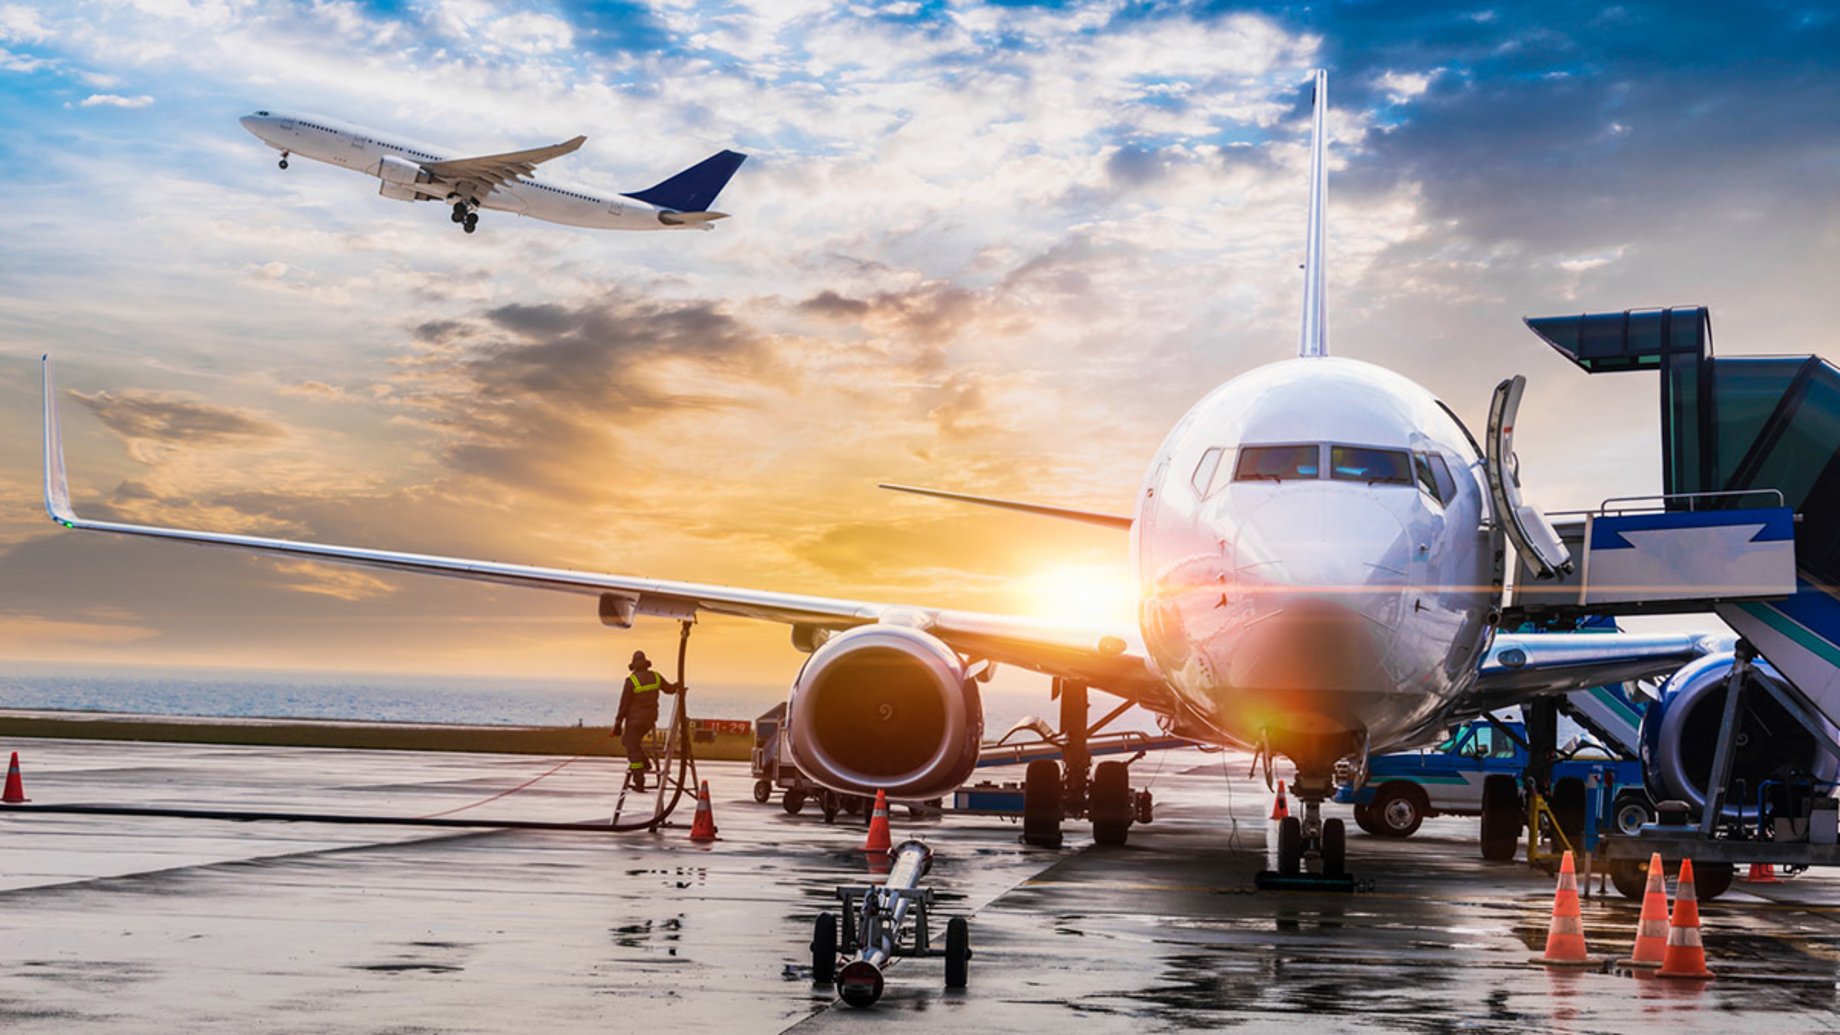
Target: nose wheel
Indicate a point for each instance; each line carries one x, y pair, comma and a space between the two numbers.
284, 158
1311, 853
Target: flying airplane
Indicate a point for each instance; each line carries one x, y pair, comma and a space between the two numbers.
1319, 544
413, 171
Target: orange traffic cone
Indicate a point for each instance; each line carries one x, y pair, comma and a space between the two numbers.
1762, 873
1565, 936
703, 828
1279, 807
15, 792
878, 840
1686, 954
1652, 929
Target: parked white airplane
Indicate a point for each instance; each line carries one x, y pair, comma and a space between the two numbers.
1320, 546
413, 171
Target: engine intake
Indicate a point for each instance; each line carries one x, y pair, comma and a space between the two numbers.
1680, 733
886, 707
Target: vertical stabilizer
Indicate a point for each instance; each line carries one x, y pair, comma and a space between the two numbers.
1315, 340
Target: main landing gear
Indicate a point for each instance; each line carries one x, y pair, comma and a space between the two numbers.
465, 216
1055, 791
284, 158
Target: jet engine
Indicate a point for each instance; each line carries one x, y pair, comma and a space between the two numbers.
886, 707
1680, 733
402, 171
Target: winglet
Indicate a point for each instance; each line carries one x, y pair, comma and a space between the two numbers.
1315, 339
57, 483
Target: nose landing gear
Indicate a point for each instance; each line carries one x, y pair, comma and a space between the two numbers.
1306, 839
284, 158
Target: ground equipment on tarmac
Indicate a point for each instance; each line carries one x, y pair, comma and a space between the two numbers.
882, 923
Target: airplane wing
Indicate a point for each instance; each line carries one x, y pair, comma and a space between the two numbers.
1521, 666
490, 171
1109, 660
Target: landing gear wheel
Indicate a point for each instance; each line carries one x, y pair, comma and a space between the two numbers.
1334, 848
1290, 846
282, 163
1501, 818
1712, 880
824, 949
472, 221
1109, 803
1041, 804
1400, 808
1630, 813
793, 802
827, 801
763, 789
958, 951
1568, 809
1365, 819
460, 212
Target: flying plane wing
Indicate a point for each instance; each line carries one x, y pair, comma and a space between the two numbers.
490, 171
1109, 660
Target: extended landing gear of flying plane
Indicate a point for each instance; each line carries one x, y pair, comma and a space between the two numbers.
284, 158
1054, 791
465, 216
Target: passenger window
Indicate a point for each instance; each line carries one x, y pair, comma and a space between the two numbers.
1203, 481
1277, 463
1364, 464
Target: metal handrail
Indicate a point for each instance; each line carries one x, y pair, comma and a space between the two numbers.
1665, 498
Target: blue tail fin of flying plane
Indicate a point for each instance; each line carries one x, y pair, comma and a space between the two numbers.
694, 189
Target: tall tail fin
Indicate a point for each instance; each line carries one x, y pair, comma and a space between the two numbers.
1315, 339
694, 189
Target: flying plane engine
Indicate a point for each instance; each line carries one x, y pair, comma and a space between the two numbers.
1680, 734
886, 707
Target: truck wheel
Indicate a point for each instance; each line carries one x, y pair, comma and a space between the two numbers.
763, 789
1712, 880
1630, 877
1568, 809
1399, 808
1041, 804
1501, 818
1365, 819
1630, 813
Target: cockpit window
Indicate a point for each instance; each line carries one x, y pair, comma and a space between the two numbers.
1277, 463
1203, 479
263, 114
1373, 466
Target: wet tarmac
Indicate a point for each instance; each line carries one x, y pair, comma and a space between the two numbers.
157, 923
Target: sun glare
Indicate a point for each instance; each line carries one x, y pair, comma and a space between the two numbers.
1094, 594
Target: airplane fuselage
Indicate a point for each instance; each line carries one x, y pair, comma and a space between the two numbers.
363, 150
1316, 567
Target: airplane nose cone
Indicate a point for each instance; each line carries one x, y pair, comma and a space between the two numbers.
1321, 573
250, 122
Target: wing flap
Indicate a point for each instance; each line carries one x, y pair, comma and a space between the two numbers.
496, 170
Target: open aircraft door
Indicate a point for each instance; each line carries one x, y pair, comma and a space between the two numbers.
1534, 538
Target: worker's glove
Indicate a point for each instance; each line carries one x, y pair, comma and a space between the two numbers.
618, 728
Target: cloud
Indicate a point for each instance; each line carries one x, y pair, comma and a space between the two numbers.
21, 24
136, 414
111, 100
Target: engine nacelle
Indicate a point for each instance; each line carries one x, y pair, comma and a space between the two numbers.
402, 171
398, 192
886, 707
1680, 734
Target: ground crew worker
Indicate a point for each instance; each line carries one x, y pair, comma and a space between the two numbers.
638, 714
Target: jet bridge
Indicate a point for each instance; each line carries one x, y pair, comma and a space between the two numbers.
1748, 525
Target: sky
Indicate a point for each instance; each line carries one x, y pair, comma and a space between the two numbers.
995, 248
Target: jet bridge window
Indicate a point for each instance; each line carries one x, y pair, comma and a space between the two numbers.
1366, 464
1278, 463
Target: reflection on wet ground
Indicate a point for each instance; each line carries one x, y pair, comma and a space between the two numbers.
123, 925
